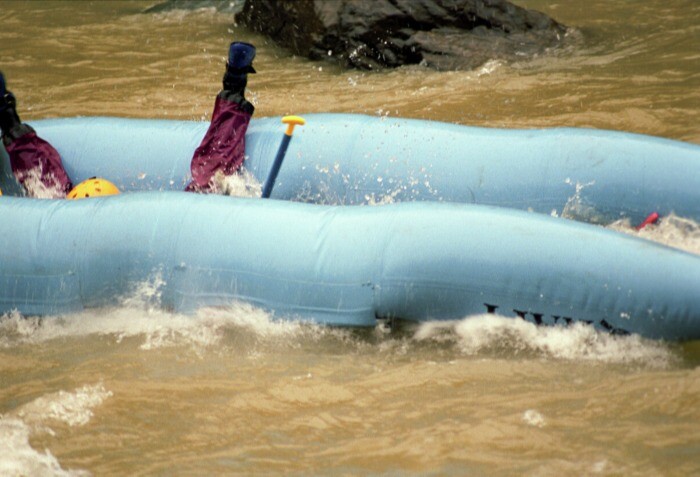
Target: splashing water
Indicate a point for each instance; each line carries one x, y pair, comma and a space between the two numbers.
159, 329
156, 329
576, 207
383, 199
357, 187
18, 458
534, 418
211, 328
141, 317
492, 334
674, 231
74, 408
242, 184
36, 188
488, 68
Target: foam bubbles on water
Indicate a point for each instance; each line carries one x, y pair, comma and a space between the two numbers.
213, 327
576, 207
246, 316
36, 187
511, 336
14, 328
145, 294
74, 408
488, 68
533, 418
141, 316
674, 231
18, 458
242, 184
383, 199
156, 328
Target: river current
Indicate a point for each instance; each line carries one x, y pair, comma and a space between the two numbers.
135, 390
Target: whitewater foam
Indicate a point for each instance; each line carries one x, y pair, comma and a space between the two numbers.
18, 458
157, 328
140, 316
242, 184
74, 408
36, 187
672, 230
534, 418
213, 327
486, 334
576, 207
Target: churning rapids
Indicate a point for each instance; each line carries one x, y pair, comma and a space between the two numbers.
136, 390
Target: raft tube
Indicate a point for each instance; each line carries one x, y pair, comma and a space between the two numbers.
349, 265
341, 265
344, 159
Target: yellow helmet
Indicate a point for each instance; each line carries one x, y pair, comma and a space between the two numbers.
93, 187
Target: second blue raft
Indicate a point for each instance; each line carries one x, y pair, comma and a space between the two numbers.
345, 159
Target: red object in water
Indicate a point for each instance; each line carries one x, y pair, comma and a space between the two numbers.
651, 219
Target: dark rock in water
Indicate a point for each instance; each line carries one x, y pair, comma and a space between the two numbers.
373, 34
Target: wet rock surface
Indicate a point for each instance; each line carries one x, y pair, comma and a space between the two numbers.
376, 34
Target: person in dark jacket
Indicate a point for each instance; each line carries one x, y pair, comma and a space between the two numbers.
39, 169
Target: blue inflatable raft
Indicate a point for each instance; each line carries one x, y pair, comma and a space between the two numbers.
342, 159
349, 265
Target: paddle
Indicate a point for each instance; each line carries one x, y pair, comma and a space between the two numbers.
290, 121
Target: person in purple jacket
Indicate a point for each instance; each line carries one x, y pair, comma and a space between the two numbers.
39, 169
35, 163
222, 149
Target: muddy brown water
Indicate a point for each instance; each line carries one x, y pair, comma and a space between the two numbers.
137, 391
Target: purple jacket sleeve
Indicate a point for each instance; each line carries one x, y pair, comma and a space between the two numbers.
36, 164
223, 146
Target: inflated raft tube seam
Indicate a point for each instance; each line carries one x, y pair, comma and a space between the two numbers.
589, 175
341, 265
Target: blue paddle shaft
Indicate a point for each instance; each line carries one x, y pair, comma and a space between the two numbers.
270, 182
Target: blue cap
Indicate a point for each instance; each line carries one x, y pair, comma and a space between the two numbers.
240, 57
